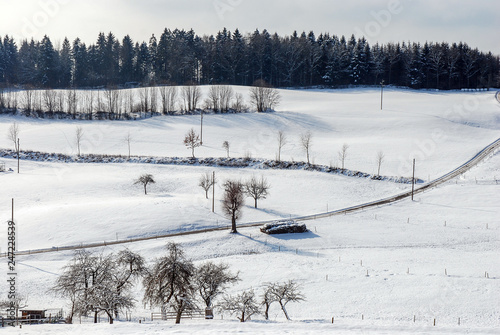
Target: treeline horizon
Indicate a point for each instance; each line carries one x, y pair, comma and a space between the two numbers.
179, 57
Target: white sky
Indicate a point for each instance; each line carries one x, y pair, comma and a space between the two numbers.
475, 22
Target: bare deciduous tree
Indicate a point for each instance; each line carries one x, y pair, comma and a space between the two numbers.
154, 100
233, 201
129, 267
244, 305
13, 135
113, 100
128, 140
305, 141
212, 279
28, 98
380, 160
225, 145
283, 293
264, 97
239, 103
206, 182
78, 138
49, 100
343, 154
257, 189
191, 95
145, 179
97, 283
220, 97
144, 99
71, 102
282, 141
168, 96
170, 282
192, 140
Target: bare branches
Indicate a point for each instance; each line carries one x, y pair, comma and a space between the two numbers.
343, 154
305, 141
244, 305
283, 293
233, 201
257, 189
97, 283
220, 97
168, 95
78, 139
128, 140
145, 179
263, 96
225, 145
211, 279
206, 182
191, 95
13, 135
192, 140
169, 282
380, 160
282, 141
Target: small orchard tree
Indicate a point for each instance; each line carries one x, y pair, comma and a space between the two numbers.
305, 141
343, 154
257, 189
129, 266
225, 145
145, 179
233, 201
78, 139
211, 280
206, 182
95, 284
13, 135
170, 282
282, 141
380, 160
283, 293
192, 140
244, 305
128, 140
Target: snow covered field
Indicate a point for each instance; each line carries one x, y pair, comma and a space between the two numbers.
373, 271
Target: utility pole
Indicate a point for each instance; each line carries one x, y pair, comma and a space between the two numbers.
213, 192
18, 155
413, 180
381, 93
201, 131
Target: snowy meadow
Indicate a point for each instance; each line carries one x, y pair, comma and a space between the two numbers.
412, 267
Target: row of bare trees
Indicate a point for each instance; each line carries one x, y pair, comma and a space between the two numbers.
114, 103
97, 283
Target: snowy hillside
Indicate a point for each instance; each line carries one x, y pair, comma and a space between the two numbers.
372, 271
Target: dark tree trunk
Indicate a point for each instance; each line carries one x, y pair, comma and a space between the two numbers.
266, 312
95, 317
233, 224
255, 202
178, 316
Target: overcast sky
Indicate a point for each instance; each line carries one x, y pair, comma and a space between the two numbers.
476, 22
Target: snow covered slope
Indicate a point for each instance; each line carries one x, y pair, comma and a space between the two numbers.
373, 271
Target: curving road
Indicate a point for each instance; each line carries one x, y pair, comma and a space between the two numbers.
491, 148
